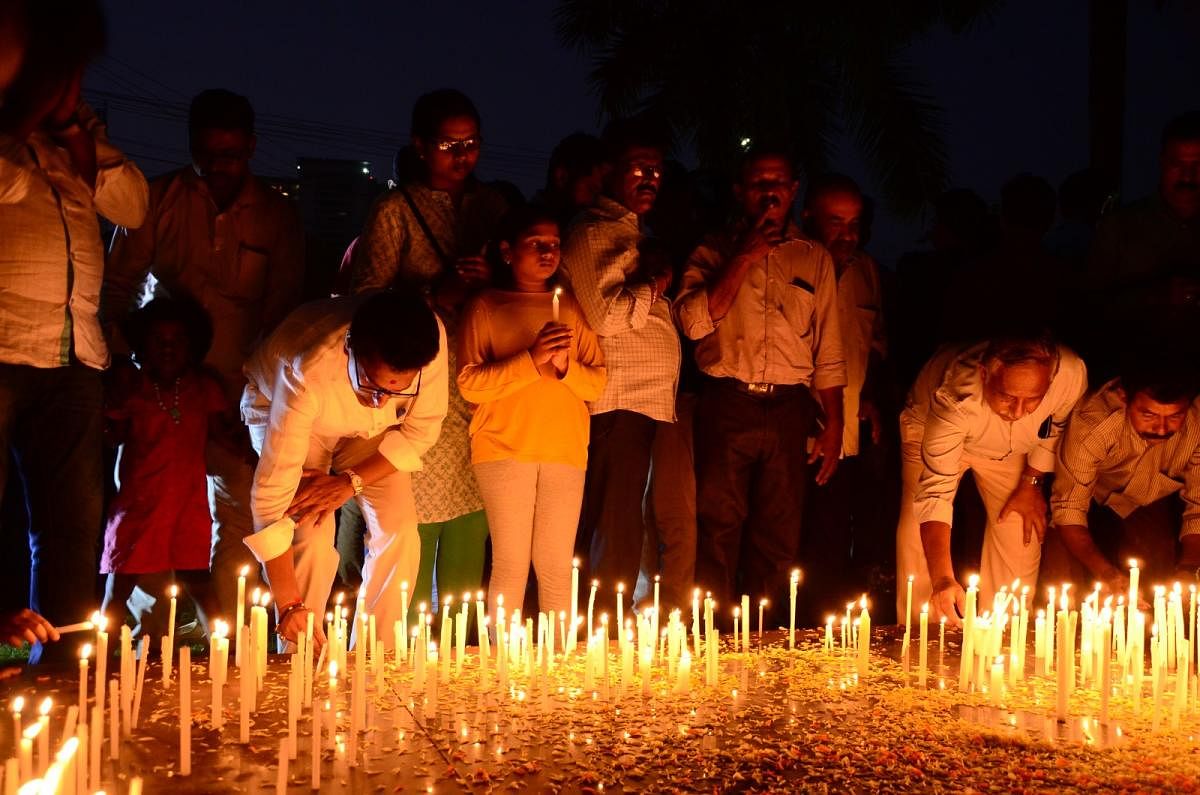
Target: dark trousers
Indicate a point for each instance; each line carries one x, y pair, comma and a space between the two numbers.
1150, 534
751, 474
849, 534
51, 420
611, 523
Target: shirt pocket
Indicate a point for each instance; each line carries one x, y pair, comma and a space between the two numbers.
797, 305
251, 279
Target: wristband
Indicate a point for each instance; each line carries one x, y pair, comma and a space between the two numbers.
287, 611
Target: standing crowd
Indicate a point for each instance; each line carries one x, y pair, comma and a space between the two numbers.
677, 381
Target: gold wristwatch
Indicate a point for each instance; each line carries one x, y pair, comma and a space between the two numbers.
356, 481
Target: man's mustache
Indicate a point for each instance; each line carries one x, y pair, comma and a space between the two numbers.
647, 187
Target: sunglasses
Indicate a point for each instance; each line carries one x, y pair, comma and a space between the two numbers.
456, 146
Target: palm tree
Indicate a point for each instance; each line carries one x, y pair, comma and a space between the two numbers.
719, 72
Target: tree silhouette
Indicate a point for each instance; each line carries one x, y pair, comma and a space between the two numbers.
719, 72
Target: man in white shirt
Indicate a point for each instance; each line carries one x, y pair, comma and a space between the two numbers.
996, 408
57, 171
216, 233
342, 400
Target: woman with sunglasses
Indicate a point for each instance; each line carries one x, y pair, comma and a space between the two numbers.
430, 231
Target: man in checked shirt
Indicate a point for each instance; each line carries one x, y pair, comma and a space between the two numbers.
1127, 479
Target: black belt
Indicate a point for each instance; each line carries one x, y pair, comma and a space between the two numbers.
760, 390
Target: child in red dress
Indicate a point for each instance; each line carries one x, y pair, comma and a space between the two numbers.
162, 415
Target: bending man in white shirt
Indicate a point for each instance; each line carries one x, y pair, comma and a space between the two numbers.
342, 400
996, 408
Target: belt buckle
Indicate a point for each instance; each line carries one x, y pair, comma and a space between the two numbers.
759, 388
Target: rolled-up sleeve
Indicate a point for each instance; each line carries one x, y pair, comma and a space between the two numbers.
691, 306
941, 456
294, 408
1191, 497
122, 194
1074, 375
403, 445
597, 274
829, 358
1074, 475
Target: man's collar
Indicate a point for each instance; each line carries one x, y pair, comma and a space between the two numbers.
611, 208
252, 191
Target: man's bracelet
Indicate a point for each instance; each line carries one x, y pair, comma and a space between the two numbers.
287, 611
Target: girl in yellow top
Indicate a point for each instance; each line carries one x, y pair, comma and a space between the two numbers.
530, 362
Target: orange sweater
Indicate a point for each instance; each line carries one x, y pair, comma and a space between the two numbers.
524, 415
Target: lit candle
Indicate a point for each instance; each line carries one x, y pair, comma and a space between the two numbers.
185, 710
241, 614
908, 610
554, 302
683, 674
101, 657
481, 629
793, 584
245, 685
174, 591
828, 633
923, 652
84, 653
737, 613
281, 772
864, 638
746, 622
95, 739
18, 704
620, 614
762, 606
315, 749
1134, 575
574, 605
402, 641
968, 641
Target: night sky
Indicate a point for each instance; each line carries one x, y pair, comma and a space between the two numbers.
1014, 89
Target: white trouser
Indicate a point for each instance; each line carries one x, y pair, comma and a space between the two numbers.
1005, 555
393, 547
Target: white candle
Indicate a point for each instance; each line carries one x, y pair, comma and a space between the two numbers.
174, 591
185, 710
101, 657
908, 610
997, 682
139, 681
94, 740
746, 622
43, 736
402, 641
114, 721
793, 584
245, 685
683, 675
591, 605
281, 772
554, 302
84, 653
315, 750
968, 642
923, 653
864, 638
241, 614
762, 605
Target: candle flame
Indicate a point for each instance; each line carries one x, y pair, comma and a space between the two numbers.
245, 570
478, 596
337, 600
1133, 563
763, 603
86, 651
256, 594
973, 581
404, 585
925, 607
266, 599
18, 704
174, 590
575, 562
333, 669
44, 708
500, 600
863, 602
620, 587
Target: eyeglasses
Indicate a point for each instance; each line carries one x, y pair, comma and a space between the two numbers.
456, 146
643, 170
373, 394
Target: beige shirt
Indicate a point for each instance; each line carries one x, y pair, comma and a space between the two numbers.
860, 314
639, 342
1101, 457
947, 415
52, 257
783, 327
299, 388
245, 265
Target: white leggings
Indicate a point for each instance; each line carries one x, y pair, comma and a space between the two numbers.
533, 514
